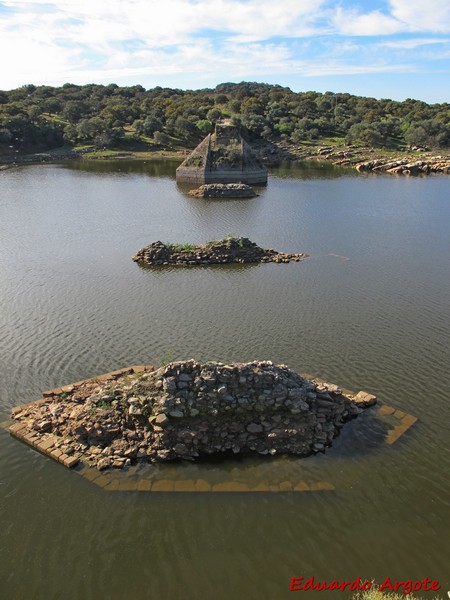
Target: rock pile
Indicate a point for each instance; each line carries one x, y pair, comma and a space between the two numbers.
224, 190
433, 164
228, 250
189, 409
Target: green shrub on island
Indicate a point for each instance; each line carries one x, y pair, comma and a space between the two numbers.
172, 247
180, 247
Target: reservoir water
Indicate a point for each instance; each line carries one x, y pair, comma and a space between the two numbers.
368, 310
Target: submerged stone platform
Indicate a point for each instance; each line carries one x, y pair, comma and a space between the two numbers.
186, 410
104, 425
226, 251
224, 190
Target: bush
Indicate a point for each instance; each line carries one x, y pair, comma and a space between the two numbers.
161, 138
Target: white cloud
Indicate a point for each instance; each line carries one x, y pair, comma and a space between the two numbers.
404, 16
420, 15
173, 21
59, 38
54, 41
412, 43
353, 23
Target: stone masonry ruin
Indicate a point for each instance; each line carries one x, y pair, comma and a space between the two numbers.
222, 157
186, 410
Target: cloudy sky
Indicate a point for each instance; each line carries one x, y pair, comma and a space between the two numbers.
382, 48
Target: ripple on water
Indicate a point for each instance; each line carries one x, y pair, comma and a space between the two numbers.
74, 305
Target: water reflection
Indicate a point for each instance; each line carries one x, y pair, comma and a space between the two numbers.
311, 169
152, 167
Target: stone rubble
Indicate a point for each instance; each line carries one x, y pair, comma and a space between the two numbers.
187, 410
229, 250
412, 161
224, 190
433, 164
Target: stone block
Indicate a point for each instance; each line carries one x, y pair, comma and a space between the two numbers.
230, 486
46, 443
144, 485
18, 429
54, 392
301, 486
200, 485
409, 420
112, 485
162, 485
385, 410
71, 461
32, 439
142, 368
286, 486
128, 485
260, 487
103, 378
183, 485
365, 399
321, 486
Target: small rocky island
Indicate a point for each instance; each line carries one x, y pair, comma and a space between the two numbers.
186, 410
225, 251
224, 190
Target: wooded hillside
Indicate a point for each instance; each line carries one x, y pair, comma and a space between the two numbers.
36, 118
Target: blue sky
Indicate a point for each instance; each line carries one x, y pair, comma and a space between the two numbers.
386, 49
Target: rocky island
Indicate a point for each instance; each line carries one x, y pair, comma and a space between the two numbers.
225, 251
186, 410
224, 190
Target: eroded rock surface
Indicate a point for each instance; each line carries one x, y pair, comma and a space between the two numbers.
224, 190
189, 409
228, 250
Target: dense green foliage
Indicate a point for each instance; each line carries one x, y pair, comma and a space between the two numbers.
42, 117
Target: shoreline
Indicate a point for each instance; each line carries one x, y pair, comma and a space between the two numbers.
362, 159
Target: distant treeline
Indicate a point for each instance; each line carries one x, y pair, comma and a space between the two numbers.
42, 117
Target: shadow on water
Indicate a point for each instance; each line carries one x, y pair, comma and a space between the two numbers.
362, 436
359, 439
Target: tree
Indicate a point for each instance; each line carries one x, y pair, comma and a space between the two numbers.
152, 124
162, 138
74, 110
214, 115
185, 129
366, 133
221, 99
88, 129
204, 126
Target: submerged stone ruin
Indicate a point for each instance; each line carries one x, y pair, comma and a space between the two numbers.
186, 410
229, 250
224, 190
222, 157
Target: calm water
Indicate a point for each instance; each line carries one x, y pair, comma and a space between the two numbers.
369, 310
